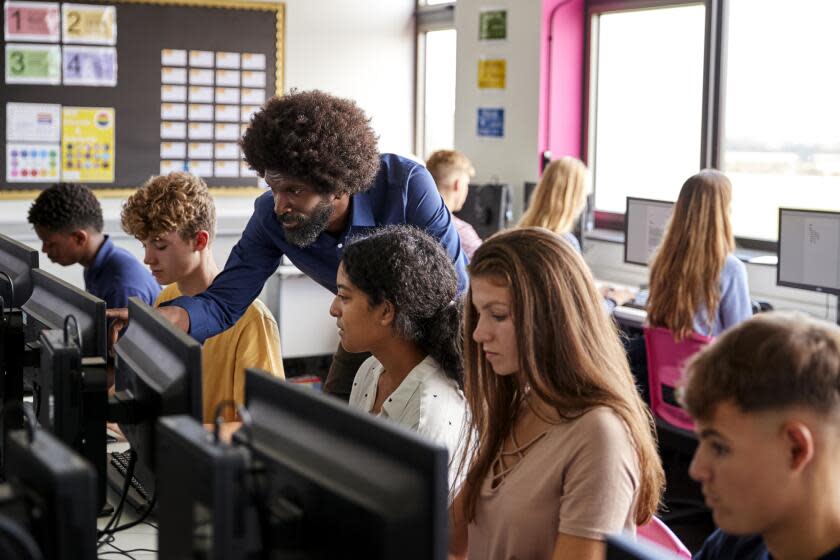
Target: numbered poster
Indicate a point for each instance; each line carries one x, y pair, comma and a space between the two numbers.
33, 64
90, 66
90, 24
87, 144
31, 21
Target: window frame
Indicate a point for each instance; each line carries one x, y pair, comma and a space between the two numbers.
438, 17
713, 95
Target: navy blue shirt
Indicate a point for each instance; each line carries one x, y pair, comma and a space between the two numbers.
403, 192
116, 275
720, 546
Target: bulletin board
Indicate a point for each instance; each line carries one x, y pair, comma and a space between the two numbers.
110, 93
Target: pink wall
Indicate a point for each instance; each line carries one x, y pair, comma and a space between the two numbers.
561, 77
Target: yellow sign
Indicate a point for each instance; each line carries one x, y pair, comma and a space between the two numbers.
89, 23
87, 144
491, 73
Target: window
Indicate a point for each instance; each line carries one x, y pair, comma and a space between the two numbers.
436, 37
646, 100
781, 145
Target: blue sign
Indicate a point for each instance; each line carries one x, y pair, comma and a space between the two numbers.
491, 122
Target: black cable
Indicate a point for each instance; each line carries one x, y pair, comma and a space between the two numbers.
118, 511
140, 519
19, 536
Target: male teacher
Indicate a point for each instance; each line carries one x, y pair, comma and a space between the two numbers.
319, 155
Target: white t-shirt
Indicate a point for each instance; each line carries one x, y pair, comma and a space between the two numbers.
427, 401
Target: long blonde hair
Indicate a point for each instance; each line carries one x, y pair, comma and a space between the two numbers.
685, 271
570, 356
559, 197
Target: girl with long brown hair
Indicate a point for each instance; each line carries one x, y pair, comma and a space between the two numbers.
562, 447
696, 283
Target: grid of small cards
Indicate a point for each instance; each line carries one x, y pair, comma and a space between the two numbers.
207, 99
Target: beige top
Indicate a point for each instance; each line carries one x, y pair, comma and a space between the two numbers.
579, 478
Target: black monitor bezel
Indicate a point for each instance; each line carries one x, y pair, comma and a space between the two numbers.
94, 338
786, 284
139, 427
329, 416
627, 222
27, 258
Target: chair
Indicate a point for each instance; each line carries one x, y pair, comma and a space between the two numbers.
657, 532
666, 358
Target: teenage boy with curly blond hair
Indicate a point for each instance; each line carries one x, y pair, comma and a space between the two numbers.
174, 217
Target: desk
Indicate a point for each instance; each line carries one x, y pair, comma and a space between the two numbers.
143, 536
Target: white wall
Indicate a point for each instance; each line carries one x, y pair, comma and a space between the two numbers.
512, 159
361, 49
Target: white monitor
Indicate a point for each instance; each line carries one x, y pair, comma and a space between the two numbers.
644, 225
809, 250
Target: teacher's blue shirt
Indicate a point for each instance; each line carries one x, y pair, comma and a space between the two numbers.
403, 192
115, 275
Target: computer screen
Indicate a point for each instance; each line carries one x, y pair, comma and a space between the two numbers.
157, 373
809, 250
70, 399
58, 492
52, 300
530, 187
645, 221
488, 208
334, 482
207, 516
16, 260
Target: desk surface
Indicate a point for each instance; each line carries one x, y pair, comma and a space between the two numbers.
139, 541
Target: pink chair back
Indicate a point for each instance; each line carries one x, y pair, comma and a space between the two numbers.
666, 359
657, 532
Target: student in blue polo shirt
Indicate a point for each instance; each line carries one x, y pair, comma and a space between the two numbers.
766, 399
319, 155
68, 220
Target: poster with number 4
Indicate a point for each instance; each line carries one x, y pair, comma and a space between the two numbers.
90, 66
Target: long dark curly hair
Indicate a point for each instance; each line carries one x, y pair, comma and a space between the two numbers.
315, 137
408, 268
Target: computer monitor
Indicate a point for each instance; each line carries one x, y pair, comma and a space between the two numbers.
809, 250
326, 481
70, 399
530, 187
627, 547
55, 492
207, 516
157, 373
52, 300
645, 221
487, 208
16, 260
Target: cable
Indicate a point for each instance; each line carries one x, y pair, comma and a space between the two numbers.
118, 511
139, 520
19, 536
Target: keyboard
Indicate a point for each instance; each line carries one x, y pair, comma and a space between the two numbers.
142, 486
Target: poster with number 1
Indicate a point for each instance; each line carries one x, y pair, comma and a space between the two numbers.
31, 21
